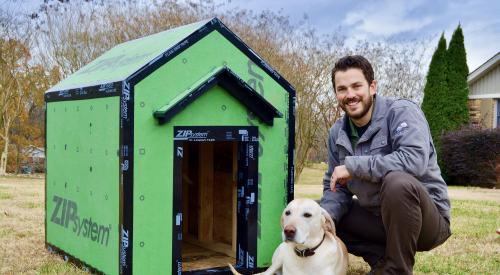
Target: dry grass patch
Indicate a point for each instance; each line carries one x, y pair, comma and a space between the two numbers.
22, 230
5, 196
472, 249
313, 174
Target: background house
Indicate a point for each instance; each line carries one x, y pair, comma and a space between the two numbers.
34, 160
484, 93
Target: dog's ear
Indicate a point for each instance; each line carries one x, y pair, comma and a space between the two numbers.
282, 221
328, 224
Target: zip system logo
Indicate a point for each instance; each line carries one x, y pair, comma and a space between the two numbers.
123, 249
188, 134
65, 214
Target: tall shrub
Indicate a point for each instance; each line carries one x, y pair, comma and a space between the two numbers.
457, 80
436, 94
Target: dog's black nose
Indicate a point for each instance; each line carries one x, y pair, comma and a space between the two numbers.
289, 232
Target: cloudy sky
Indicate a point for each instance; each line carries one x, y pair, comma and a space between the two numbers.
383, 19
399, 19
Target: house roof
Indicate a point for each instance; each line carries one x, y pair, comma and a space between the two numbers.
234, 85
484, 68
33, 151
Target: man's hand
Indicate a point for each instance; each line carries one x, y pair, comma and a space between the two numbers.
341, 175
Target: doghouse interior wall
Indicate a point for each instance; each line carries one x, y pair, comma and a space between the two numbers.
209, 181
209, 191
83, 179
153, 176
225, 184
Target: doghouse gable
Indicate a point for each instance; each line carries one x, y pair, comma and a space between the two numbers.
133, 84
215, 108
219, 98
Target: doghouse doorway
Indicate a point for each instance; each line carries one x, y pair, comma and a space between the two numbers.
215, 198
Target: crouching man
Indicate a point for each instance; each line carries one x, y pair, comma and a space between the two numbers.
382, 152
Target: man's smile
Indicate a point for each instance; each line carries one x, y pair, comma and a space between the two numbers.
352, 102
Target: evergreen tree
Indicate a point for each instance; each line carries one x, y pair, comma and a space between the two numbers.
436, 94
457, 80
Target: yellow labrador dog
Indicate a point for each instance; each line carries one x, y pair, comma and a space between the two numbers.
310, 245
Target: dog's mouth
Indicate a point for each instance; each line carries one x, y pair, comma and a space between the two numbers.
294, 241
290, 239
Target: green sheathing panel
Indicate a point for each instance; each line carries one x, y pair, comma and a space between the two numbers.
183, 94
83, 180
124, 59
153, 173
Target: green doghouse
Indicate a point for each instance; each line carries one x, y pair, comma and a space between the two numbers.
170, 154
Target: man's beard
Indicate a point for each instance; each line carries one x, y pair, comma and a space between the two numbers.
365, 107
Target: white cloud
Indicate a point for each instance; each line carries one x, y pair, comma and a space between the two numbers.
385, 18
482, 41
429, 18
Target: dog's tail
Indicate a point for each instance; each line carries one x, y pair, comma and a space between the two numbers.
233, 270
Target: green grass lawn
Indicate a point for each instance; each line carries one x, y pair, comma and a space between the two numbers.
473, 248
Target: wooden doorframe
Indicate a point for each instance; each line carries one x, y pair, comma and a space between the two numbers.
247, 187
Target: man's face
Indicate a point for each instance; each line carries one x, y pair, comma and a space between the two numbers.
355, 95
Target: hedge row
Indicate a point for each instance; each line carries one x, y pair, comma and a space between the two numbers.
471, 156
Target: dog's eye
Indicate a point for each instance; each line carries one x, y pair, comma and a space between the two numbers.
287, 213
307, 215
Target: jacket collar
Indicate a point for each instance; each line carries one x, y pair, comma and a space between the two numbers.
377, 118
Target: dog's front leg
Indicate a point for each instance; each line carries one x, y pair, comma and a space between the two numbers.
274, 269
277, 262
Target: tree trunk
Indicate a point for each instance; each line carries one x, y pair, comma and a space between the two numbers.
3, 158
300, 163
5, 152
18, 159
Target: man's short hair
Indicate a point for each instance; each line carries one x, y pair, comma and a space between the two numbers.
356, 62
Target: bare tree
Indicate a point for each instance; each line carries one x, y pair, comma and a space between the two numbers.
21, 85
73, 34
14, 57
399, 66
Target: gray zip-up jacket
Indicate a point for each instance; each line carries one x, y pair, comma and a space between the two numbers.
398, 139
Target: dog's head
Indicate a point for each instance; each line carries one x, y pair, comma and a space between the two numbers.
304, 222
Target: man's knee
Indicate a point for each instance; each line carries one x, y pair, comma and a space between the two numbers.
396, 185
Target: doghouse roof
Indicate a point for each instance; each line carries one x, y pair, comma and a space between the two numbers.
125, 59
134, 59
234, 85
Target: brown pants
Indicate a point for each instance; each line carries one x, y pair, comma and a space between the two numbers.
409, 222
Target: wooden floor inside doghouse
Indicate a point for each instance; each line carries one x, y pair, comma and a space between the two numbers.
195, 257
209, 173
